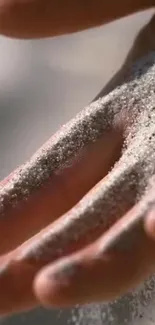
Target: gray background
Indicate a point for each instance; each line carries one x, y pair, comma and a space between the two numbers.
43, 84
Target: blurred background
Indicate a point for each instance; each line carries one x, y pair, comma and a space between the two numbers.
43, 84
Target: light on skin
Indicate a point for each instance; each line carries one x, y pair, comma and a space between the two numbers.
47, 285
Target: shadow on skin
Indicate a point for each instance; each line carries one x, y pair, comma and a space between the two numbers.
73, 185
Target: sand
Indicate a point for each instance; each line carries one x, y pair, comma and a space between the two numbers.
126, 183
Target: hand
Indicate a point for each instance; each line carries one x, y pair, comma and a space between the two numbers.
65, 189
78, 211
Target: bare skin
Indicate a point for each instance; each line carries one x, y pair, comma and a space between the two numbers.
37, 18
84, 271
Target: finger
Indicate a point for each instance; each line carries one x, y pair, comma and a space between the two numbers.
59, 174
11, 287
93, 215
38, 18
115, 264
96, 212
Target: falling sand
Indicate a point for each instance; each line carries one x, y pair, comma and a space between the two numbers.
126, 184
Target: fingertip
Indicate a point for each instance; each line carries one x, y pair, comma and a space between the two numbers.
88, 277
52, 289
75, 280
